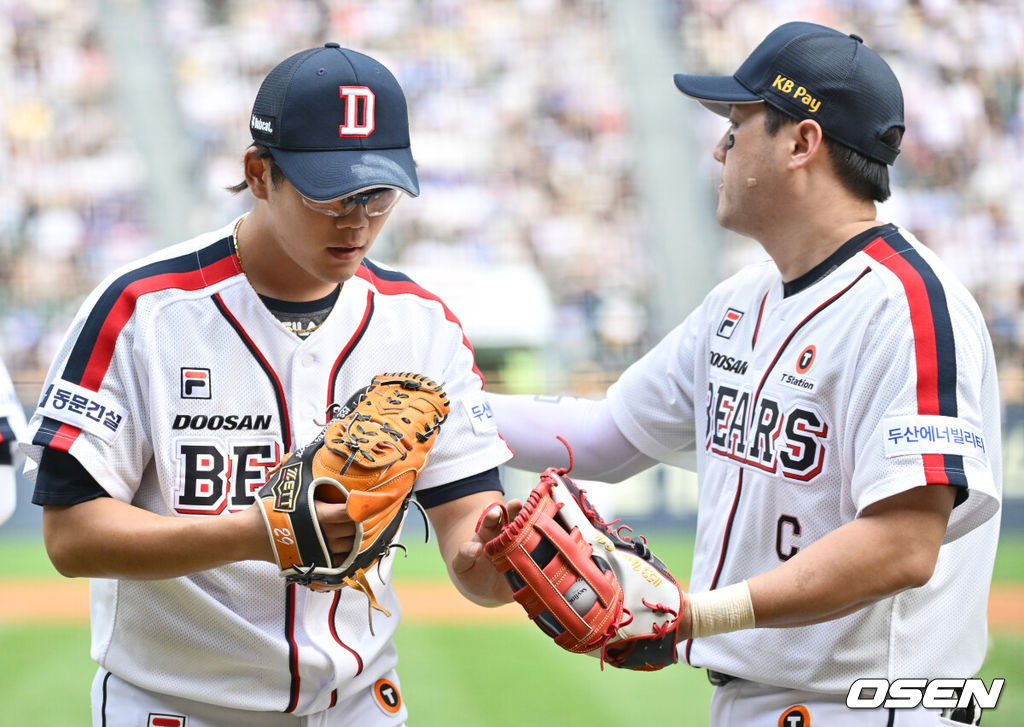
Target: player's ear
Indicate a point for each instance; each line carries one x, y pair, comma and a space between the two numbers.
257, 173
806, 142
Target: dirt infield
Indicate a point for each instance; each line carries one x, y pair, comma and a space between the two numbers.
26, 601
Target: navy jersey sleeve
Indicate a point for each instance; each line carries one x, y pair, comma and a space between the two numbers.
62, 480
486, 481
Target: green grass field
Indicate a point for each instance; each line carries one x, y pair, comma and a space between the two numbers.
478, 676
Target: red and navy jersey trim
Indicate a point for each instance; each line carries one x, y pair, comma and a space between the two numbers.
792, 334
725, 547
90, 357
757, 325
934, 343
275, 380
293, 647
334, 633
346, 352
392, 282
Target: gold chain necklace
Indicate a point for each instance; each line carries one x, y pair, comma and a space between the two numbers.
292, 327
234, 238
295, 327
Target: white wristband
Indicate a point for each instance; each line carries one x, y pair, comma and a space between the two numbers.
721, 611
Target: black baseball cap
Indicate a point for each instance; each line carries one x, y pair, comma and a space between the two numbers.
336, 122
813, 72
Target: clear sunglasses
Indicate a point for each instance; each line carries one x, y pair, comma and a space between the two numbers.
376, 200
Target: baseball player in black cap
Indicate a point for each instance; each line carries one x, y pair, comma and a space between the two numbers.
839, 403
187, 376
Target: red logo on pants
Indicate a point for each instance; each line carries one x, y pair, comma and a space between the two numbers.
166, 720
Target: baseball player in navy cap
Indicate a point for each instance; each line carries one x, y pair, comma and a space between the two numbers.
839, 404
187, 376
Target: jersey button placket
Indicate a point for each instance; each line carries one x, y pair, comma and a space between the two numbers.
308, 407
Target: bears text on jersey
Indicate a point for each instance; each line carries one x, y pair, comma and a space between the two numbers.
768, 435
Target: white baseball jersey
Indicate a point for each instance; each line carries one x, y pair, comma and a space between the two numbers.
807, 402
178, 391
12, 427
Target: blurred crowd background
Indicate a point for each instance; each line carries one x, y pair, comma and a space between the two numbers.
124, 120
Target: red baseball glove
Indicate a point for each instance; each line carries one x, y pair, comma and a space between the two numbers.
584, 584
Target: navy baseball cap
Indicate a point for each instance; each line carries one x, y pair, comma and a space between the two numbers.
813, 72
336, 122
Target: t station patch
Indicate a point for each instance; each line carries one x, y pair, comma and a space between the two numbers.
386, 695
795, 716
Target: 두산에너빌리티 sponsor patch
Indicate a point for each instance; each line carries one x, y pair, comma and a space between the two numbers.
932, 434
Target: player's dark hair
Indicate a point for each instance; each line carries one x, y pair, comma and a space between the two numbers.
276, 175
861, 175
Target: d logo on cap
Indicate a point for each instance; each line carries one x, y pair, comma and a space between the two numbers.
357, 98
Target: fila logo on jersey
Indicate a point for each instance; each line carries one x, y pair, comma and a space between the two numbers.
359, 103
166, 720
729, 321
195, 383
789, 441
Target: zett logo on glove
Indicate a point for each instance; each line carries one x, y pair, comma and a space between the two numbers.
285, 487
